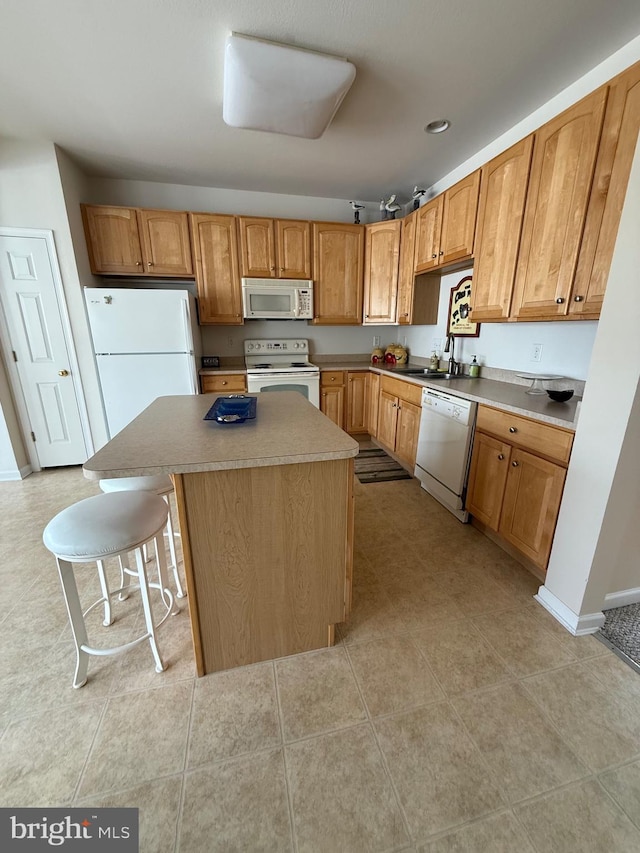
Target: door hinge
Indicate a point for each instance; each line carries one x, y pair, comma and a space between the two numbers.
33, 435
15, 357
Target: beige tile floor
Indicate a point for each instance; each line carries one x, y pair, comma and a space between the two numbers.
453, 714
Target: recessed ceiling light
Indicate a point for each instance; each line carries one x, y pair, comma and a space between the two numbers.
438, 126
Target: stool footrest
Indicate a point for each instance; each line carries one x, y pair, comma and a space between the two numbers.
115, 650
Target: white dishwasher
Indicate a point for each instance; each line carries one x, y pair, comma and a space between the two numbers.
444, 445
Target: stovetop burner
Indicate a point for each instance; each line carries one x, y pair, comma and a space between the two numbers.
299, 364
263, 366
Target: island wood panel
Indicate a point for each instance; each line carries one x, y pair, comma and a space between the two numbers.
269, 568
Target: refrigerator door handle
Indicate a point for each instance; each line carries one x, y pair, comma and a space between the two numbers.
187, 327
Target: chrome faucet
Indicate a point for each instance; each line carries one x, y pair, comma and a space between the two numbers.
453, 364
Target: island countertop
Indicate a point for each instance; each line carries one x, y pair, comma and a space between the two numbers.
171, 437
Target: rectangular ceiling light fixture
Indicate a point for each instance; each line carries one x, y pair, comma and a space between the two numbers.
282, 89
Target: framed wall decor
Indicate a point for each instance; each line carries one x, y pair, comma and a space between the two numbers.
459, 325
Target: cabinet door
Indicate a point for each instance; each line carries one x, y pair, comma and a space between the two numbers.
374, 404
487, 478
381, 256
407, 432
531, 505
215, 247
500, 214
615, 155
293, 248
459, 219
257, 247
165, 242
113, 240
357, 402
564, 156
387, 419
337, 272
332, 403
428, 234
406, 268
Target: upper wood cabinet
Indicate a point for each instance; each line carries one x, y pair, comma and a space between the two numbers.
381, 257
338, 251
129, 241
447, 224
615, 156
500, 215
275, 248
215, 246
406, 268
562, 170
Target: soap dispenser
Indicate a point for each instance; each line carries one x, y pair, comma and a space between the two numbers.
474, 368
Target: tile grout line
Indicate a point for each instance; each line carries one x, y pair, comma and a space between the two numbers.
383, 758
183, 783
90, 750
292, 825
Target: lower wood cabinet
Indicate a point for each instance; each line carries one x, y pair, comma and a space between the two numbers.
332, 391
223, 383
399, 418
374, 403
518, 469
358, 402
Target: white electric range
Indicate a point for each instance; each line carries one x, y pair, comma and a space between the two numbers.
282, 365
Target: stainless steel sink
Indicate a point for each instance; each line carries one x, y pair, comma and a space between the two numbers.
432, 374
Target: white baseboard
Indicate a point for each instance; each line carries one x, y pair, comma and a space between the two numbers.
622, 598
576, 625
16, 474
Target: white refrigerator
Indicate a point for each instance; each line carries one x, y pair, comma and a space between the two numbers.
146, 343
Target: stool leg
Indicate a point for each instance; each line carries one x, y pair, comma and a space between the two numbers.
148, 611
172, 551
78, 627
104, 587
125, 579
161, 559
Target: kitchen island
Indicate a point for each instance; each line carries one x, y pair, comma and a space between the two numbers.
266, 520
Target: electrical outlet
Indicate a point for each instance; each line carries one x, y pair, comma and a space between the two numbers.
436, 344
376, 340
229, 342
536, 352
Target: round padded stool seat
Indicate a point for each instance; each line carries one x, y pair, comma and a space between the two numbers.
158, 483
105, 524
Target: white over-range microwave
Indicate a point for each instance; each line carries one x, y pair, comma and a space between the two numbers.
277, 299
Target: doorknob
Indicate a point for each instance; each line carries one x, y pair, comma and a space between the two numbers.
63, 373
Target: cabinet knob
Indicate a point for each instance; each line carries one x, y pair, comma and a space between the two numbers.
149, 264
578, 298
138, 263
333, 378
501, 456
515, 464
224, 381
434, 255
560, 300
513, 429
272, 269
441, 252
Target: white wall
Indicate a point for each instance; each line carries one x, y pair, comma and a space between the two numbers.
214, 200
566, 346
31, 196
14, 463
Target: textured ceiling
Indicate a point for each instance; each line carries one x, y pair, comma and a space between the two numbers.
133, 88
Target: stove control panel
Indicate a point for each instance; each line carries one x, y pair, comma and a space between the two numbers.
273, 347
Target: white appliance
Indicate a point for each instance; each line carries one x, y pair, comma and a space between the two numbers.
277, 299
282, 365
145, 343
444, 448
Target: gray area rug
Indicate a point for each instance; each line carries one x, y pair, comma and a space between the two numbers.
373, 465
621, 631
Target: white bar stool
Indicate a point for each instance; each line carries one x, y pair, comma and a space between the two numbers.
110, 525
159, 484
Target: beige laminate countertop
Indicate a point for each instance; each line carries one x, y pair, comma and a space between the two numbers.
171, 437
490, 392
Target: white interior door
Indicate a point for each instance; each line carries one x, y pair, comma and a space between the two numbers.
32, 313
